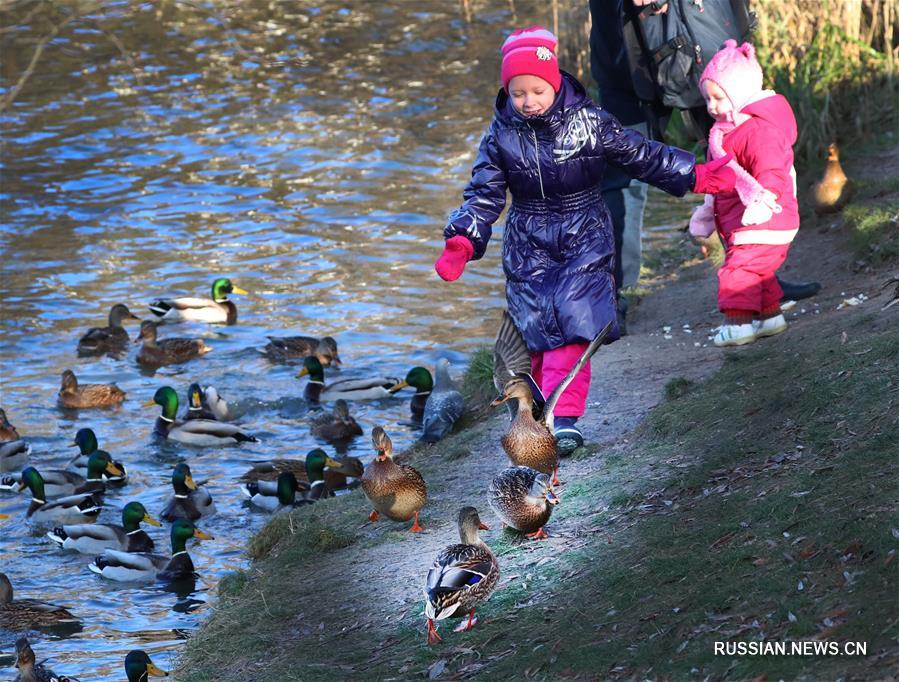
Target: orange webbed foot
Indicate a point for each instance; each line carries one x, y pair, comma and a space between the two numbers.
415, 527
433, 637
468, 623
540, 534
374, 516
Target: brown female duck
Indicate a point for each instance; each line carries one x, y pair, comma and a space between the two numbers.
110, 339
24, 614
524, 499
282, 348
74, 395
462, 576
396, 490
337, 427
530, 441
168, 351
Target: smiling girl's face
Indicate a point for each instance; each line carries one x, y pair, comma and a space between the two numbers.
531, 95
717, 102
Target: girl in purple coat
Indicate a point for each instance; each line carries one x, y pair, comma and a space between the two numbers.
548, 145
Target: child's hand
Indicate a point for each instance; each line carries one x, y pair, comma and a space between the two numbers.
715, 176
761, 208
457, 252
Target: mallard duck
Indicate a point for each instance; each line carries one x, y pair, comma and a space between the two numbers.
30, 670
421, 380
93, 538
71, 395
461, 577
111, 339
530, 442
196, 408
511, 358
219, 309
131, 567
216, 404
82, 508
24, 614
349, 389
523, 498
189, 501
168, 351
195, 431
282, 348
313, 480
396, 490
443, 407
832, 191
86, 442
138, 667
335, 474
59, 483
14, 454
337, 427
7, 431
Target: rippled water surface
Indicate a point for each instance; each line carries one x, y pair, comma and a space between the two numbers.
310, 152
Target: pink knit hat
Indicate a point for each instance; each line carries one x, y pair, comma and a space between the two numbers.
736, 71
531, 51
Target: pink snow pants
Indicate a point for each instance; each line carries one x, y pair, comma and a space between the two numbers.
550, 367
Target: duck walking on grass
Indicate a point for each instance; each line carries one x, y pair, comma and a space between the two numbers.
94, 538
25, 614
524, 499
75, 396
462, 576
395, 490
530, 442
219, 309
443, 407
110, 339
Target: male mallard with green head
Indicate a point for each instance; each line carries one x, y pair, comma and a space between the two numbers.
421, 380
60, 483
94, 538
395, 490
154, 353
524, 499
220, 309
462, 576
372, 388
283, 348
25, 614
139, 667
287, 480
111, 339
82, 508
189, 501
334, 474
196, 404
130, 567
78, 396
86, 442
194, 431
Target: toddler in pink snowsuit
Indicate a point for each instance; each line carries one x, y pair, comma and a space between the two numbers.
759, 216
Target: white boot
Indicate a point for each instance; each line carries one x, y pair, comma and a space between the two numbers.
735, 334
770, 326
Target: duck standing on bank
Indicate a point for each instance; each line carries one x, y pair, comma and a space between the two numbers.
73, 395
462, 576
833, 190
443, 407
395, 490
524, 499
110, 339
217, 310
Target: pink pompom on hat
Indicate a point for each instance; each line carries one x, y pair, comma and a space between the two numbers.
531, 51
736, 71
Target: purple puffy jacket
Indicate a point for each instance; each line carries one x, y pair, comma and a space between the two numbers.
558, 250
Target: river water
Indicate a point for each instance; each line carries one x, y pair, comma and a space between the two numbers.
310, 151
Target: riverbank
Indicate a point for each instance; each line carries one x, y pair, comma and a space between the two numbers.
722, 496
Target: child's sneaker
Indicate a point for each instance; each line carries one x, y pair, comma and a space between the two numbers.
568, 436
770, 326
735, 334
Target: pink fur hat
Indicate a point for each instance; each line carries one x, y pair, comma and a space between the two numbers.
736, 71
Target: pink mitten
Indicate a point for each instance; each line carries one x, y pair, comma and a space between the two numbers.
714, 176
456, 253
702, 222
761, 208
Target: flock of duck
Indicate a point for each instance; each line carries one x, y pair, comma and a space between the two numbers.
68, 501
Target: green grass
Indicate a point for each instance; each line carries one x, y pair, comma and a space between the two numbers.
874, 230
